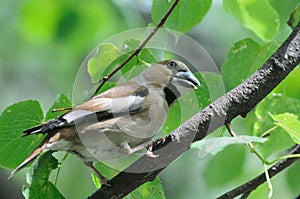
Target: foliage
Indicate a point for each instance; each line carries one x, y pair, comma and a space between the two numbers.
38, 184
289, 123
149, 190
13, 121
273, 127
265, 24
184, 16
243, 59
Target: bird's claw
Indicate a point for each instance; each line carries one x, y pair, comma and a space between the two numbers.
149, 152
160, 141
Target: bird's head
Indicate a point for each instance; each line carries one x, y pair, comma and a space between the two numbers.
181, 74
173, 75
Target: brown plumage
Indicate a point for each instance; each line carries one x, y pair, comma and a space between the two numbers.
118, 121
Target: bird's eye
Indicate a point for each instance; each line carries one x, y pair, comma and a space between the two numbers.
171, 64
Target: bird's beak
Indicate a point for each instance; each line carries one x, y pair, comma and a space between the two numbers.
186, 79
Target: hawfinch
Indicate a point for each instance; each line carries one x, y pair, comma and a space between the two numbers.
118, 121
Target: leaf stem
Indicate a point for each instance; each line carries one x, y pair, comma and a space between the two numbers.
59, 168
270, 187
269, 131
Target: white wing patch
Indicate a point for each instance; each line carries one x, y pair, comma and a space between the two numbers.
70, 117
119, 105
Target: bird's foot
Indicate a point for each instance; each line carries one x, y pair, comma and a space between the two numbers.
104, 181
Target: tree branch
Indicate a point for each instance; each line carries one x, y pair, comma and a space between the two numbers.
238, 101
251, 185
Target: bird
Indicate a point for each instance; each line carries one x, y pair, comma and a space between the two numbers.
119, 121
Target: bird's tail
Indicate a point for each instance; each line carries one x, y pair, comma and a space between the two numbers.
29, 159
41, 129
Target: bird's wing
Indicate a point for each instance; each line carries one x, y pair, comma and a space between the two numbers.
126, 98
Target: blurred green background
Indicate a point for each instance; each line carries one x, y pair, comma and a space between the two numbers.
43, 44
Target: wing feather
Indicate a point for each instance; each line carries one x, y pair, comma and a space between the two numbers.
126, 98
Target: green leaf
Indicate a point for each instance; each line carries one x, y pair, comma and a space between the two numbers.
136, 65
107, 57
290, 124
278, 139
291, 85
133, 67
149, 190
225, 167
215, 145
111, 169
108, 171
130, 45
13, 121
38, 184
243, 59
61, 101
258, 16
105, 54
184, 17
96, 180
106, 86
293, 176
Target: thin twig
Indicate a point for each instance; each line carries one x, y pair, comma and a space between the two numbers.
61, 109
229, 129
137, 51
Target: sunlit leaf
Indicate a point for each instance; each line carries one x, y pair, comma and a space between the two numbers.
184, 17
105, 54
258, 16
290, 124
277, 138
